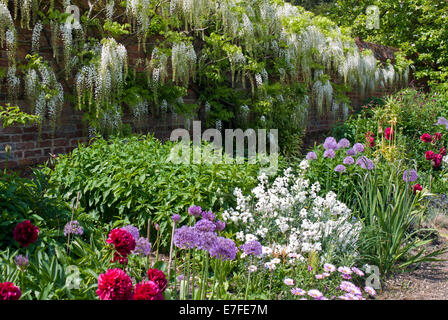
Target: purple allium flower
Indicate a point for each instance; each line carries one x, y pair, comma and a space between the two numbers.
343, 143
185, 237
329, 267
311, 155
349, 160
21, 261
442, 122
351, 152
329, 153
330, 144
340, 168
133, 231
410, 175
142, 247
220, 225
252, 248
175, 218
310, 268
298, 292
224, 249
365, 163
316, 294
73, 227
206, 240
208, 215
205, 225
358, 271
358, 147
195, 211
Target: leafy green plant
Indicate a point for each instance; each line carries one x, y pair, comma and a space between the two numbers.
133, 177
391, 215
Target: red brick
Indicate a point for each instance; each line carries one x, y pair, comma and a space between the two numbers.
29, 137
11, 164
5, 138
26, 162
44, 144
58, 150
13, 130
33, 153
60, 142
26, 145
30, 130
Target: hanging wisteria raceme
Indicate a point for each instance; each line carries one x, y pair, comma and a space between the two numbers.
35, 40
99, 84
11, 45
138, 12
13, 83
183, 59
44, 92
6, 21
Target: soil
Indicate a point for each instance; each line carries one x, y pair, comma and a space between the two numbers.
428, 281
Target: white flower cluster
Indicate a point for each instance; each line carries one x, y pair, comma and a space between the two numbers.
36, 85
290, 217
183, 59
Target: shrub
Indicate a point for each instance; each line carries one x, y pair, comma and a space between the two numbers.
132, 177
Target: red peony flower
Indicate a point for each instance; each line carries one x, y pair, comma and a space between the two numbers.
429, 155
25, 233
437, 160
115, 284
442, 151
123, 242
437, 136
389, 133
417, 187
158, 277
426, 137
369, 139
148, 290
8, 291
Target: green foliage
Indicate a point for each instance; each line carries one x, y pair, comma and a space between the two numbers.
12, 115
391, 214
133, 178
418, 27
22, 199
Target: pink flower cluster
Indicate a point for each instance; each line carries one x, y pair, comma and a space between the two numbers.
115, 284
